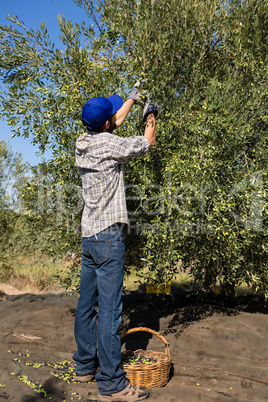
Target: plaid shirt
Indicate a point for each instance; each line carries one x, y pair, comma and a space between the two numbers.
100, 158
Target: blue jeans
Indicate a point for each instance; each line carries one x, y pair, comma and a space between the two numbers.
101, 285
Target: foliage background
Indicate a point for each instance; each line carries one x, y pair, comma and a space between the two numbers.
200, 197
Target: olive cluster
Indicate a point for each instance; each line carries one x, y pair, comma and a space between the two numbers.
137, 359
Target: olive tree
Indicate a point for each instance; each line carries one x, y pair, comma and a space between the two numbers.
199, 197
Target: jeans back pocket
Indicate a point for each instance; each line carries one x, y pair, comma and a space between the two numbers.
99, 250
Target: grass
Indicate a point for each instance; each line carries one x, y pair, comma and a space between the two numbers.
31, 273
183, 280
133, 280
35, 273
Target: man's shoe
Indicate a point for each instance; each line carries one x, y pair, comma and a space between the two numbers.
131, 393
85, 378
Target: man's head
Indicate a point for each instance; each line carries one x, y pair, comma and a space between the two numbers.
99, 112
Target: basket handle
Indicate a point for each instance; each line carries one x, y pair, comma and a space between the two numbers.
151, 331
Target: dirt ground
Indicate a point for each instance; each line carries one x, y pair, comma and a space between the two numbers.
219, 348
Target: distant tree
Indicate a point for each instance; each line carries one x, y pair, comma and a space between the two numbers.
200, 196
13, 175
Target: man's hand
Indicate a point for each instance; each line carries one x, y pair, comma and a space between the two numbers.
139, 96
150, 129
150, 108
135, 94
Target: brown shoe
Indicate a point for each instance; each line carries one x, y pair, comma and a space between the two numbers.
131, 393
85, 378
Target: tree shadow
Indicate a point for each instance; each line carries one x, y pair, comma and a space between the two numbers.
181, 308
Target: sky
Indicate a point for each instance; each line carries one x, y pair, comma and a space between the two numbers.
32, 13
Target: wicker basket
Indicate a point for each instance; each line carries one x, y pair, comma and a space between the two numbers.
150, 375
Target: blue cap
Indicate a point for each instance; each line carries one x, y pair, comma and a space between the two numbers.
98, 110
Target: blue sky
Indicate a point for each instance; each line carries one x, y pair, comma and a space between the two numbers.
32, 12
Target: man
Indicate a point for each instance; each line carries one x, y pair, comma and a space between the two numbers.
100, 155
